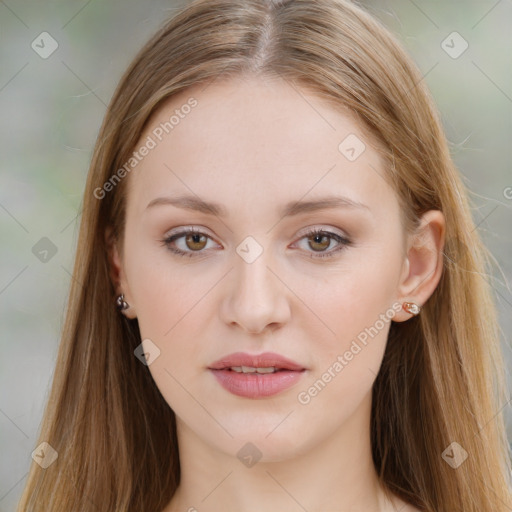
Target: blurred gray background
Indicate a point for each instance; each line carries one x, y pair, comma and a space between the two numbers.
60, 62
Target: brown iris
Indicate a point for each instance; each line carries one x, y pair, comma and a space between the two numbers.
321, 237
198, 240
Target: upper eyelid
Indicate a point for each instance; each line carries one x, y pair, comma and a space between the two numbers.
302, 232
323, 228
181, 232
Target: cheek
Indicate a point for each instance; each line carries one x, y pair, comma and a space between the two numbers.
174, 310
347, 363
355, 307
351, 298
166, 296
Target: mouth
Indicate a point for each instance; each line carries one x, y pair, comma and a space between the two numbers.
256, 376
252, 369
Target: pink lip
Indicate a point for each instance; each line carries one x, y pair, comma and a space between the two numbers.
256, 385
256, 360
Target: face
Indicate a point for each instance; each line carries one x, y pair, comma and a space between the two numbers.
261, 274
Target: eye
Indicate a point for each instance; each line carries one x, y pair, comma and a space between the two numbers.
194, 242
320, 240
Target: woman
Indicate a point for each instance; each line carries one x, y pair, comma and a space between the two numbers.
278, 299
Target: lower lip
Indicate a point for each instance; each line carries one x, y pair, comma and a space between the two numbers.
256, 385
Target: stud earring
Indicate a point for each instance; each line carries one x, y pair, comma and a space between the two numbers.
411, 308
121, 303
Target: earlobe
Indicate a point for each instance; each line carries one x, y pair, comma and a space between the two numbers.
423, 266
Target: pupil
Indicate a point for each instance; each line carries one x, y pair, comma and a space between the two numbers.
317, 239
194, 239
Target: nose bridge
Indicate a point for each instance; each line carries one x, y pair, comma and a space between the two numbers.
254, 280
257, 297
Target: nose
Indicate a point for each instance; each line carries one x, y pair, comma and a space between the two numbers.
258, 300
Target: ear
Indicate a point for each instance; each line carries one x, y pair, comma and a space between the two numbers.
116, 271
423, 264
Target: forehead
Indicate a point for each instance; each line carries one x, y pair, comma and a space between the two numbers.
255, 139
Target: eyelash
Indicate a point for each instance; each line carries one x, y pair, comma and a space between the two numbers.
343, 241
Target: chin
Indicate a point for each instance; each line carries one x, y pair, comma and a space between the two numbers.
268, 436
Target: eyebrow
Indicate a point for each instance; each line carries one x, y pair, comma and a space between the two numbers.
290, 209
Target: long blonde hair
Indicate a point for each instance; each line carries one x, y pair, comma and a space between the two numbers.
441, 379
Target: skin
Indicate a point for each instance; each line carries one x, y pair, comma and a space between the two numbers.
253, 144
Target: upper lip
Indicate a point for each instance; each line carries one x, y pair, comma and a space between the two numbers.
264, 360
